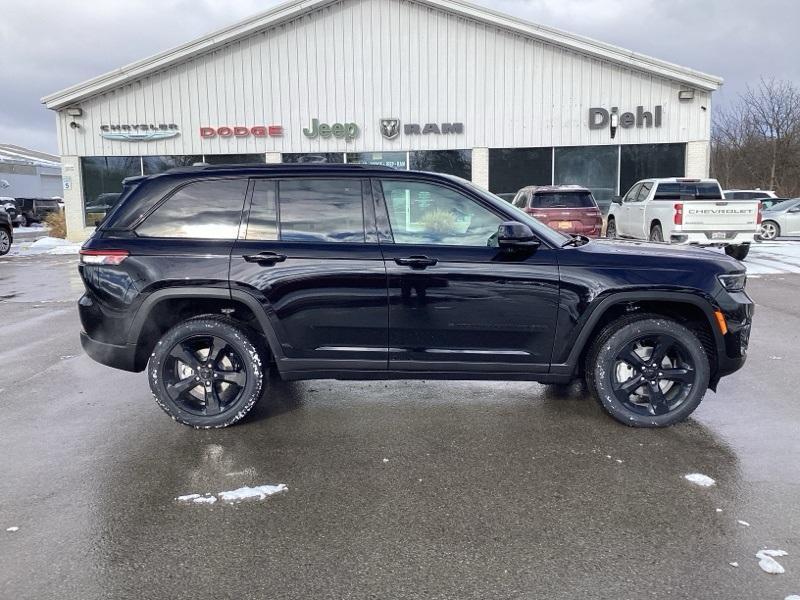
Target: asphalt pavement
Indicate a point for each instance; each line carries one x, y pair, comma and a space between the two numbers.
405, 490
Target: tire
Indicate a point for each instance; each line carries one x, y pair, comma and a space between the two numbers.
234, 383
656, 233
739, 252
611, 229
5, 241
681, 378
770, 230
23, 221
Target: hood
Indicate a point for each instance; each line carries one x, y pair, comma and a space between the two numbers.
648, 255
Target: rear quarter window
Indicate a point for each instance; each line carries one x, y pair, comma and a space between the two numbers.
210, 209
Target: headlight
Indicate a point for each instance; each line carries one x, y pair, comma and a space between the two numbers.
733, 282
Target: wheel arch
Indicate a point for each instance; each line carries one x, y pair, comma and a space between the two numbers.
689, 308
164, 308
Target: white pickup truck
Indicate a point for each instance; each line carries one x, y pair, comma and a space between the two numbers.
685, 211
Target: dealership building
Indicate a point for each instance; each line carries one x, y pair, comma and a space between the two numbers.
438, 85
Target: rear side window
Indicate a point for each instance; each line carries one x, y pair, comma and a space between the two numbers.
688, 191
321, 210
201, 210
563, 200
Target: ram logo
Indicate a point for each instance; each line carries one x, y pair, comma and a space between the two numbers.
390, 128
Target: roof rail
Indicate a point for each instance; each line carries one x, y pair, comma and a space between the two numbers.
278, 166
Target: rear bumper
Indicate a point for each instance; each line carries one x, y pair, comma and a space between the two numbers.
111, 355
706, 238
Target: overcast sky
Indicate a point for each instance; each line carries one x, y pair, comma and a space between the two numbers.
47, 45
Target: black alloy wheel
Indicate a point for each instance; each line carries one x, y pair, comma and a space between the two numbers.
206, 372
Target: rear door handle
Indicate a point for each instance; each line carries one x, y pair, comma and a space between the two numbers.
265, 258
416, 262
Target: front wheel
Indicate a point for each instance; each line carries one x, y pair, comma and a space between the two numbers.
739, 252
5, 241
206, 372
648, 371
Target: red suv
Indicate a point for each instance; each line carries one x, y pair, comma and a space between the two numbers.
565, 208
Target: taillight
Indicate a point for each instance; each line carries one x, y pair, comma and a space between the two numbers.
678, 218
103, 257
760, 216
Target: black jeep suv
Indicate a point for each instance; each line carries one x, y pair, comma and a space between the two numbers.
215, 278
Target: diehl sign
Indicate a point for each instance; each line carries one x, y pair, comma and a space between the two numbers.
346, 131
600, 118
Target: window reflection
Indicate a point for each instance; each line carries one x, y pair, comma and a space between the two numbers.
315, 158
594, 167
263, 221
202, 210
451, 162
102, 183
511, 169
422, 213
321, 210
646, 161
153, 165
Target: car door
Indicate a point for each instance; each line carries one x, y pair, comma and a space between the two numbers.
640, 219
792, 220
310, 256
625, 224
458, 303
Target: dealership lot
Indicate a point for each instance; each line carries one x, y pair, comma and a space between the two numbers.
401, 489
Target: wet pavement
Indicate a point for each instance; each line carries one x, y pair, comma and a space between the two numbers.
488, 490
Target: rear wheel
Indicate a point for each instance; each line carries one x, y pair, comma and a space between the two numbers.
206, 372
656, 233
611, 229
739, 252
5, 241
23, 221
770, 230
648, 371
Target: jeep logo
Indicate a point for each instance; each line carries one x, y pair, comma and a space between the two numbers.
346, 131
600, 118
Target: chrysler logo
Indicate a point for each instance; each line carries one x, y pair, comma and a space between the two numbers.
139, 133
390, 128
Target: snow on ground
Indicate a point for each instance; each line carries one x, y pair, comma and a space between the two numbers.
768, 563
770, 258
45, 245
792, 597
700, 479
743, 523
12, 529
243, 493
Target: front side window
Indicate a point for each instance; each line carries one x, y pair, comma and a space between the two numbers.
321, 210
633, 193
424, 213
644, 192
200, 210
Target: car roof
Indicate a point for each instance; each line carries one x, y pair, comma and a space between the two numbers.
679, 180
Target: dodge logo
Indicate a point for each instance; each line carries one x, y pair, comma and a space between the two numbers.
390, 128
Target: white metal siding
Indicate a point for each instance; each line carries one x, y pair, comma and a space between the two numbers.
361, 60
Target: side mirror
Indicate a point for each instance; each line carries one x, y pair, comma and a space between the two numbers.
513, 234
616, 200
796, 209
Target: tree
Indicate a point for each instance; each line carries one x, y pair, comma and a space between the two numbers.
756, 142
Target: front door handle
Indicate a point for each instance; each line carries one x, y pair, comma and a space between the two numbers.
265, 258
416, 262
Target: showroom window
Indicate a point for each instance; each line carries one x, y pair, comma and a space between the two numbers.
234, 159
210, 209
321, 210
645, 161
102, 183
396, 160
450, 162
593, 167
315, 158
152, 165
423, 213
511, 169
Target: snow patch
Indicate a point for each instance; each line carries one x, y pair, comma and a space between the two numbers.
734, 564
719, 510
700, 479
792, 597
743, 523
768, 563
385, 460
243, 493
12, 529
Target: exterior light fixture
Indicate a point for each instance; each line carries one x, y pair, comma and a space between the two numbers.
686, 95
75, 111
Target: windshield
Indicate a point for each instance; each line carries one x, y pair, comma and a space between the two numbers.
688, 191
563, 200
543, 231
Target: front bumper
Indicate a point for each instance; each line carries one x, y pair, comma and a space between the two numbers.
738, 310
119, 357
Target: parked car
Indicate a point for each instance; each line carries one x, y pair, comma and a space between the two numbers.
565, 208
685, 211
34, 210
6, 232
211, 277
767, 203
748, 194
781, 219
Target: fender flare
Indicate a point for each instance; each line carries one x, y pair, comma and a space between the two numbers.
615, 299
223, 294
